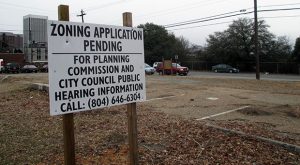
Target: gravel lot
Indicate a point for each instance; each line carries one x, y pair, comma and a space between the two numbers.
168, 129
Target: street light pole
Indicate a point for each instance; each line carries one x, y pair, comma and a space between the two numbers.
256, 40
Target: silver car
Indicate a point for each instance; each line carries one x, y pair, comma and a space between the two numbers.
149, 70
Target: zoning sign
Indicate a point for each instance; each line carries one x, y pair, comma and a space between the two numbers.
93, 66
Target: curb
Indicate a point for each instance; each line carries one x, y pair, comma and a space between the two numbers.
287, 146
4, 78
40, 86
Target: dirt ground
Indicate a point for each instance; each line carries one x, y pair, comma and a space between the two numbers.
272, 102
170, 125
273, 106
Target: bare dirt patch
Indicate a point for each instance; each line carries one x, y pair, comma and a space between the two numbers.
293, 113
254, 111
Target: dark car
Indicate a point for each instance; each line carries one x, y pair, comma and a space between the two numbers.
224, 68
12, 68
44, 68
29, 69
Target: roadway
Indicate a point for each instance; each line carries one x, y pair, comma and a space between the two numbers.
273, 77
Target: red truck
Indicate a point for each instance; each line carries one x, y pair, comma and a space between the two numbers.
176, 69
1, 65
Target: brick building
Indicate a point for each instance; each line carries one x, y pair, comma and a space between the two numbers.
13, 58
10, 42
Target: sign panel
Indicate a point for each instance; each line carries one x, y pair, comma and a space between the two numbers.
94, 66
167, 64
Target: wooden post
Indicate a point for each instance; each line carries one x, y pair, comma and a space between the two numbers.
163, 66
68, 121
132, 133
131, 112
63, 13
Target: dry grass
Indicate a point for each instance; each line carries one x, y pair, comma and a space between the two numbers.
29, 135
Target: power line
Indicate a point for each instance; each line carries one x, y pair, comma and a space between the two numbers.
287, 16
204, 20
266, 10
289, 4
242, 10
219, 23
172, 10
233, 15
182, 7
201, 26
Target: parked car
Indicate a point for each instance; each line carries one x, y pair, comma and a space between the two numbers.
176, 69
155, 64
1, 65
181, 70
12, 68
149, 70
44, 68
224, 68
29, 69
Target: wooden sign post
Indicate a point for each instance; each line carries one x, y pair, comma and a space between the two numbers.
131, 112
68, 122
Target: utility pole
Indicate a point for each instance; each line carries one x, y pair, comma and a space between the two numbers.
256, 40
81, 15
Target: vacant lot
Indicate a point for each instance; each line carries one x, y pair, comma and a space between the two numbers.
171, 130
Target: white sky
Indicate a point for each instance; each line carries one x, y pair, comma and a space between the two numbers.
160, 12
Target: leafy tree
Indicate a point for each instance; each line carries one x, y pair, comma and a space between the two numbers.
236, 44
217, 49
181, 48
296, 51
279, 50
160, 44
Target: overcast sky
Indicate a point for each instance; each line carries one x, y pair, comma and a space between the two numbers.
160, 12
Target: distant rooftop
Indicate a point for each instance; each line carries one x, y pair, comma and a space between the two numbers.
35, 16
10, 34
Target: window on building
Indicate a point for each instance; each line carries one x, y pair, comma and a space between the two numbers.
38, 54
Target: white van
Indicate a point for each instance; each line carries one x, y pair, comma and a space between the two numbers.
1, 65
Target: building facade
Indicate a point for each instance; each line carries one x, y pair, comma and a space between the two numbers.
35, 38
11, 43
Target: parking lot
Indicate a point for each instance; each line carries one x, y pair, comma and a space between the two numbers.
265, 108
197, 96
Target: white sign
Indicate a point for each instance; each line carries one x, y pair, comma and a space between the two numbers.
94, 66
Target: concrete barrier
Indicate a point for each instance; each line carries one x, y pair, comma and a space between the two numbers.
287, 146
40, 86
